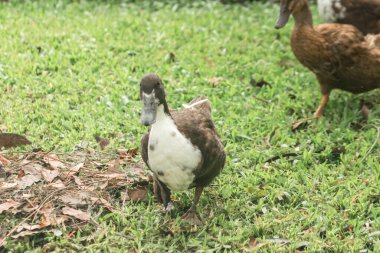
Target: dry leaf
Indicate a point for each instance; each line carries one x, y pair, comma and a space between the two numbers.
8, 140
6, 185
3, 173
81, 198
77, 180
112, 176
260, 83
28, 180
57, 184
364, 110
114, 164
76, 213
54, 161
300, 124
4, 161
215, 81
103, 142
74, 170
49, 175
8, 205
27, 232
138, 194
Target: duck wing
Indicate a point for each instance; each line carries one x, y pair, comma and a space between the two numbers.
354, 57
196, 125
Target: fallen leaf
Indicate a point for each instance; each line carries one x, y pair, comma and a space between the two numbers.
114, 164
3, 173
74, 170
138, 194
260, 83
215, 81
103, 142
81, 198
364, 110
8, 205
76, 213
57, 184
28, 232
6, 185
9, 140
28, 180
54, 161
49, 175
77, 180
4, 161
112, 176
300, 124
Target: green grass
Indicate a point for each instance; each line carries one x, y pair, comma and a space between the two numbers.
69, 70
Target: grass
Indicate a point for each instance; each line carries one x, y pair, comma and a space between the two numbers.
70, 70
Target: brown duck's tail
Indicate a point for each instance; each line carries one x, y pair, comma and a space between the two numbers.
200, 103
373, 40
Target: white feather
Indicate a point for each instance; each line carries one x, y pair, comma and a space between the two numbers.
331, 10
171, 153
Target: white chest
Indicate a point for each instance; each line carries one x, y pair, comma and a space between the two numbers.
172, 157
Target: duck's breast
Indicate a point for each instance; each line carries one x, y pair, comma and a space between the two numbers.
172, 157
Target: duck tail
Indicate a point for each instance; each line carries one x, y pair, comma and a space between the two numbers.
373, 40
200, 103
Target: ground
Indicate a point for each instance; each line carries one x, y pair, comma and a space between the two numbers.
70, 70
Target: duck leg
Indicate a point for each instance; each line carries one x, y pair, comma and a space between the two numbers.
191, 214
162, 193
325, 99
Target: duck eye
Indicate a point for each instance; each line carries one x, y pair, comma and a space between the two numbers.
157, 84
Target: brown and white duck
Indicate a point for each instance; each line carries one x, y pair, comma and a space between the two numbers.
339, 55
182, 148
364, 14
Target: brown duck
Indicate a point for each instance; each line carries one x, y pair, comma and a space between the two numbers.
182, 148
339, 55
364, 14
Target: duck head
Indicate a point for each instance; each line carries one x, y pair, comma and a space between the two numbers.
287, 8
152, 94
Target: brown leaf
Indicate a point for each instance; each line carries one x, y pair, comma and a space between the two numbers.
128, 153
138, 194
215, 81
114, 164
28, 180
8, 205
76, 213
54, 161
300, 124
6, 185
81, 198
103, 142
4, 161
77, 180
120, 176
8, 140
3, 173
26, 233
260, 83
57, 184
49, 175
364, 110
74, 170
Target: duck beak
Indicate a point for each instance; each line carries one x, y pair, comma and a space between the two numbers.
148, 115
284, 15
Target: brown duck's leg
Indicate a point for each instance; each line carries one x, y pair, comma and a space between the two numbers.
325, 99
191, 214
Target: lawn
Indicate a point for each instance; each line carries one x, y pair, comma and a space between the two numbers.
70, 70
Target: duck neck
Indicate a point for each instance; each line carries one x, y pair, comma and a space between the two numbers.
303, 17
162, 112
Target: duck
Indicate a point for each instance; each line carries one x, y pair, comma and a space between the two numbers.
364, 14
339, 55
182, 148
